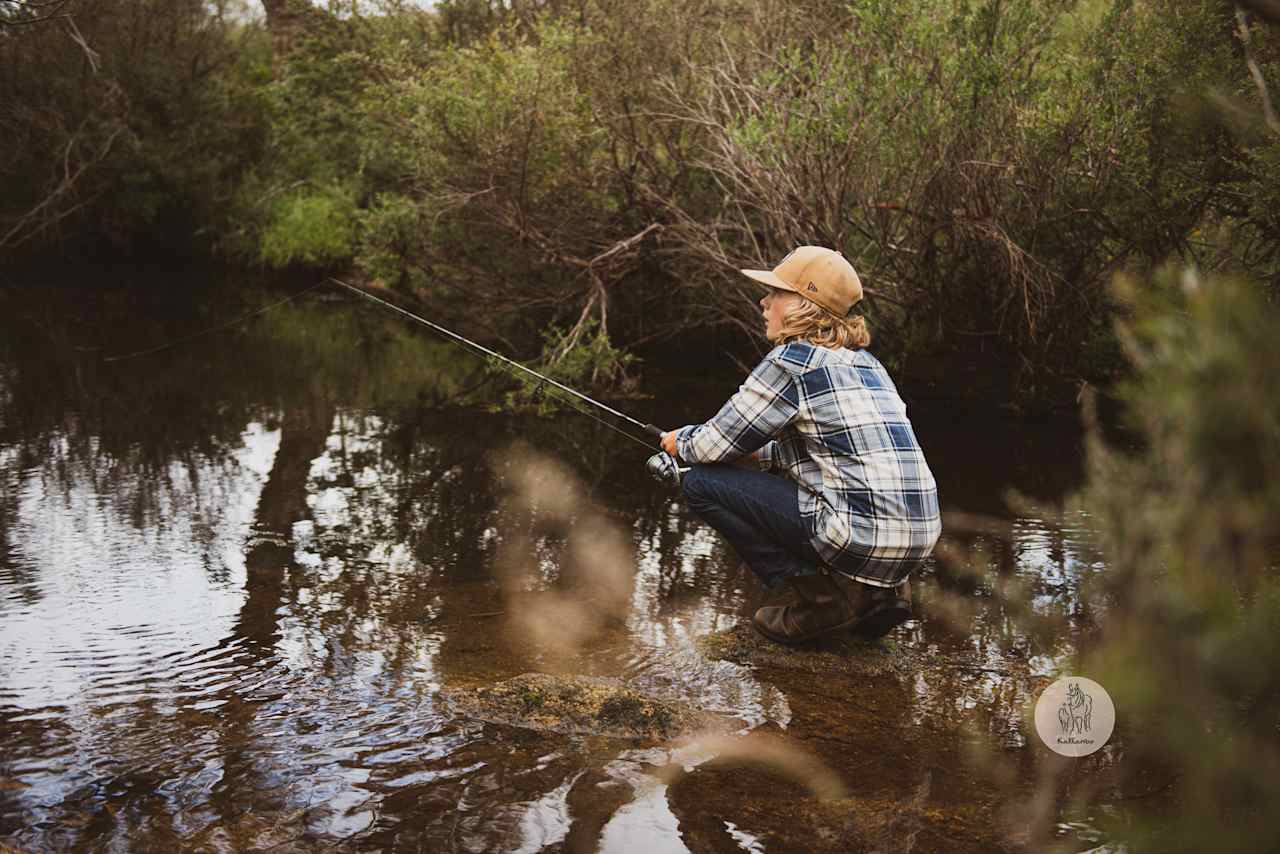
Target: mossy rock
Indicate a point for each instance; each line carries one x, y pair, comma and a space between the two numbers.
583, 705
844, 655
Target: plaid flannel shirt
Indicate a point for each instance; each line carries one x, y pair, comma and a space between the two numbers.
832, 421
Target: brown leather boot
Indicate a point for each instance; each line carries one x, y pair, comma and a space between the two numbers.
826, 603
881, 609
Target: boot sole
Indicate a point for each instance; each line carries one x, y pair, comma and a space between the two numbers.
882, 618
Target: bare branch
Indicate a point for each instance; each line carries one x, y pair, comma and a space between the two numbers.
18, 13
61, 200
1268, 111
76, 36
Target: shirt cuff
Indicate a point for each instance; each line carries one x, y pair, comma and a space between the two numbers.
683, 442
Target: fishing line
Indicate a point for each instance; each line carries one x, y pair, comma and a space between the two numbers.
503, 360
648, 428
211, 330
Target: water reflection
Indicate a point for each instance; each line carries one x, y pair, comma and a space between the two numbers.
235, 579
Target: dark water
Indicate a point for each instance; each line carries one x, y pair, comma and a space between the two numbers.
236, 576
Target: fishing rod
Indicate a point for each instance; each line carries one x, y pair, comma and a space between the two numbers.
661, 465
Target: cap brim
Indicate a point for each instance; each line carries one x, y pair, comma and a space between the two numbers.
767, 277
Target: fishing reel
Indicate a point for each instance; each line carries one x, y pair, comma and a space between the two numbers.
664, 468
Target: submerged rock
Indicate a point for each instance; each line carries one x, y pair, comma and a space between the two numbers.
844, 655
583, 705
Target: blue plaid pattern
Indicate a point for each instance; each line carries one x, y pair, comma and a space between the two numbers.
832, 421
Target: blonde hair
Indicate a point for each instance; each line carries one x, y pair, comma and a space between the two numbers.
805, 320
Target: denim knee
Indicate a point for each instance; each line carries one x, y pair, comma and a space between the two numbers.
695, 484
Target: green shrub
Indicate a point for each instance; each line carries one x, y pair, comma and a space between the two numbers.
498, 132
583, 358
391, 229
315, 228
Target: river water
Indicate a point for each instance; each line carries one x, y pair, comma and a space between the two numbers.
239, 575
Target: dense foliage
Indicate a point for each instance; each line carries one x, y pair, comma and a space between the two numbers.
126, 127
1187, 613
603, 167
1178, 614
1193, 545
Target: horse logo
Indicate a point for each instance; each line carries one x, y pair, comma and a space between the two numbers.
1075, 715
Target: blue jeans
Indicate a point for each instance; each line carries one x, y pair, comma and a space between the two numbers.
758, 513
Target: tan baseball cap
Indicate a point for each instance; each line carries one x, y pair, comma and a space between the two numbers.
816, 273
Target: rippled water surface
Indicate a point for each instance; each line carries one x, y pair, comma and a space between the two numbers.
238, 576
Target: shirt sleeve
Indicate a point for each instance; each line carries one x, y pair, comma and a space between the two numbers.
766, 403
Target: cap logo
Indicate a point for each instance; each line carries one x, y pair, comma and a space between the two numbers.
812, 287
